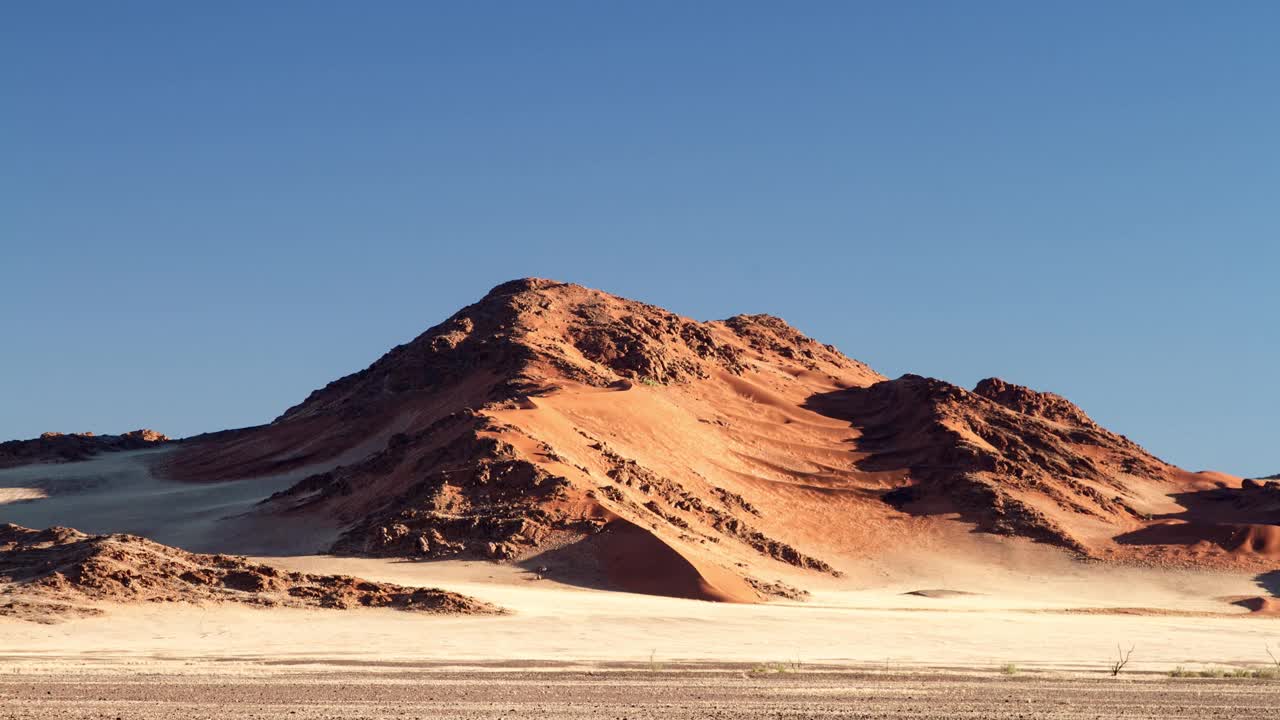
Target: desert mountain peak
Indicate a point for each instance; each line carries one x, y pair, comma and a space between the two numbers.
529, 334
581, 432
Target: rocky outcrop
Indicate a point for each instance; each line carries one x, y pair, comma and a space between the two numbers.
476, 496
59, 572
73, 447
1026, 401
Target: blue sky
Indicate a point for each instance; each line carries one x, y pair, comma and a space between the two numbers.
206, 211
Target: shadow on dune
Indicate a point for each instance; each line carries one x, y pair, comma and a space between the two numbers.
117, 492
576, 564
1228, 505
1239, 520
1270, 582
625, 556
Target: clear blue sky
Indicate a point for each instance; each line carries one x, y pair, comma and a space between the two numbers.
207, 210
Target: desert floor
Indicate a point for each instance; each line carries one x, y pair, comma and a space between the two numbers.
669, 691
861, 645
1061, 622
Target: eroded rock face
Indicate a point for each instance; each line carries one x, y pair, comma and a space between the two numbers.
1010, 459
477, 497
60, 572
1026, 401
73, 447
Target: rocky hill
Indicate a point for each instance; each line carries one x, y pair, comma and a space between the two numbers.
608, 441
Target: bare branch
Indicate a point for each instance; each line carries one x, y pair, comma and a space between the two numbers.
1122, 659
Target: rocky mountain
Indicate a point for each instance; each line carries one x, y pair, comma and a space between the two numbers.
607, 441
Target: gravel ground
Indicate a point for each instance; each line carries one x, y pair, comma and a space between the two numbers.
605, 694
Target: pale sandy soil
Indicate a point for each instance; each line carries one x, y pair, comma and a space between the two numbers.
20, 494
554, 622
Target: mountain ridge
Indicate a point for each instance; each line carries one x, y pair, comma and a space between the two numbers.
614, 443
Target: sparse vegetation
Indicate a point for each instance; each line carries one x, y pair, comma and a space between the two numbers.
1009, 669
1122, 659
654, 665
773, 668
1251, 673
1217, 672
